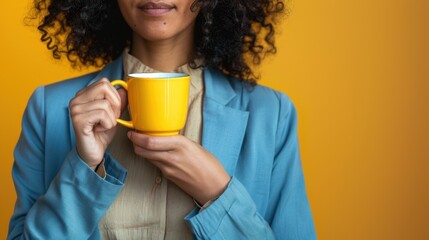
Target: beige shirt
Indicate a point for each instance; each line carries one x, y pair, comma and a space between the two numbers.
149, 206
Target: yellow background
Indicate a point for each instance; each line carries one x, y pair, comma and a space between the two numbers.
358, 74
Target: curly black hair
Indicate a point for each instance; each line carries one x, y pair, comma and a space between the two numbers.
230, 35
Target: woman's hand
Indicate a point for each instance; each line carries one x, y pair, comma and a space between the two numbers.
94, 110
185, 163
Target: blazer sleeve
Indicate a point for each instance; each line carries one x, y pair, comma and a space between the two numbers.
234, 214
289, 210
70, 206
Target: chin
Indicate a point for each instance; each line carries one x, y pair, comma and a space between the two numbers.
156, 37
154, 32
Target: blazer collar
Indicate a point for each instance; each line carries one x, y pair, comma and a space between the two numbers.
218, 87
112, 71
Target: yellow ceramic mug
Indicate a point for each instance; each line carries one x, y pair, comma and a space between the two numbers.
158, 102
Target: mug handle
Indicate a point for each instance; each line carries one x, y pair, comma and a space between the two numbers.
128, 124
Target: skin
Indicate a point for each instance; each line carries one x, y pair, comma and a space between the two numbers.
162, 39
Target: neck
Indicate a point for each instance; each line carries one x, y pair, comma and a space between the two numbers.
166, 55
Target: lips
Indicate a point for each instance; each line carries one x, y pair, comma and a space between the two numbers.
156, 9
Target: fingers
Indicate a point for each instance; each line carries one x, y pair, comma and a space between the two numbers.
154, 143
163, 151
99, 90
97, 115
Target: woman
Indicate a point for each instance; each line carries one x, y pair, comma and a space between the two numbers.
233, 173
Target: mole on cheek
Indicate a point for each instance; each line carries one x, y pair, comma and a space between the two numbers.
165, 23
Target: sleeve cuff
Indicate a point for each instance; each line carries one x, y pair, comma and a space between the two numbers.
207, 222
84, 175
115, 172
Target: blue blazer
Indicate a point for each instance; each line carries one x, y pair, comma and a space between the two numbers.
252, 131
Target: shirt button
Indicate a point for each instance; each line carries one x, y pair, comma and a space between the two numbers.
158, 180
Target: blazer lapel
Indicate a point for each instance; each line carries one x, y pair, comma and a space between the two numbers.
223, 126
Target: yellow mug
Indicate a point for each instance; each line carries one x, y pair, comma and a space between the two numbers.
158, 102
